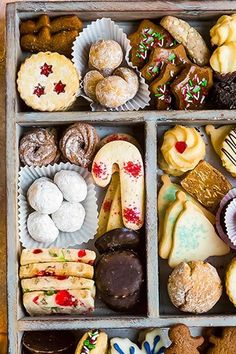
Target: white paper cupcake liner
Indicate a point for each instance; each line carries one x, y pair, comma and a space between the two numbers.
105, 29
27, 176
230, 221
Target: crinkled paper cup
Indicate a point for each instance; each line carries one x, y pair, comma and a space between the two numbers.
27, 176
106, 29
219, 220
230, 221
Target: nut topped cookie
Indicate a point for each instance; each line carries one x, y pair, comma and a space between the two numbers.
48, 82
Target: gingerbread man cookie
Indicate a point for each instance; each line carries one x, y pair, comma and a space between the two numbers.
225, 344
183, 342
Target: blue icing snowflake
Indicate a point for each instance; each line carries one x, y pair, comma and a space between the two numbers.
120, 351
154, 349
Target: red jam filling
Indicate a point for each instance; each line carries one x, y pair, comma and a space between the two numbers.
180, 146
37, 251
81, 253
39, 90
35, 300
116, 137
46, 69
62, 277
64, 298
45, 273
132, 215
59, 87
107, 206
133, 169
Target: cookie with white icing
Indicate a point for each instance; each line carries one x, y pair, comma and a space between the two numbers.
123, 346
93, 342
153, 342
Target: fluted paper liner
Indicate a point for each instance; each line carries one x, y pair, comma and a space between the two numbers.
27, 176
229, 196
106, 29
230, 221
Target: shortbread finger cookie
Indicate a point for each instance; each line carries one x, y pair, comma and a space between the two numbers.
130, 162
189, 37
56, 283
59, 269
68, 302
44, 86
38, 255
93, 342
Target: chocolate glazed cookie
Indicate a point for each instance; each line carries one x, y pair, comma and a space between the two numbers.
119, 277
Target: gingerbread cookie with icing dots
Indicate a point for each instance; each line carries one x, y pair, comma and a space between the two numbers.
44, 86
148, 36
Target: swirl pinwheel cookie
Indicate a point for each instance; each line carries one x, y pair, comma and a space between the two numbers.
44, 86
182, 149
130, 163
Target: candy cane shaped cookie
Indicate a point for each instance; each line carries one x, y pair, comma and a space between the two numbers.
130, 163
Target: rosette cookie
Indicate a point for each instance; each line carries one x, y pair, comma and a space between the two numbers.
78, 144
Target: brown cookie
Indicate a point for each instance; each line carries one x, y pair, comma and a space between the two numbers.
159, 56
148, 36
182, 341
122, 303
225, 344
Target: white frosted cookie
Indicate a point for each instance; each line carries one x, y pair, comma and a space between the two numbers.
48, 82
90, 81
69, 217
72, 185
153, 342
41, 227
105, 56
93, 342
69, 302
44, 196
123, 346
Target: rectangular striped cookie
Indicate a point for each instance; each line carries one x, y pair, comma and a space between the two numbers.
42, 255
69, 302
56, 283
58, 269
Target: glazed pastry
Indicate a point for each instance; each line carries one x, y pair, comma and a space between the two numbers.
225, 343
105, 56
230, 281
192, 86
206, 184
222, 59
78, 143
44, 86
182, 341
119, 136
69, 217
41, 228
93, 342
123, 346
72, 185
224, 31
112, 92
48, 342
189, 37
194, 287
90, 81
129, 160
29, 256
228, 152
38, 303
160, 87
182, 149
192, 234
147, 37
118, 239
45, 34
44, 196
218, 135
131, 78
38, 147
58, 269
160, 56
48, 283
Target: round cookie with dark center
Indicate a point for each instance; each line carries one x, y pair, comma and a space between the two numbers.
122, 303
48, 342
118, 239
119, 274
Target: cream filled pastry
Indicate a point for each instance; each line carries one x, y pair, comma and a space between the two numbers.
182, 149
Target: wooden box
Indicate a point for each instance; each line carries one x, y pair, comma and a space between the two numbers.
143, 124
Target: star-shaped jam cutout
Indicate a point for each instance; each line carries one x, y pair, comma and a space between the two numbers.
39, 90
59, 87
46, 69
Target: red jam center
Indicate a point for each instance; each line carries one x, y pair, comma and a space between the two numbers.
37, 251
62, 277
81, 253
132, 215
39, 90
134, 169
107, 206
35, 300
181, 146
46, 69
64, 298
59, 87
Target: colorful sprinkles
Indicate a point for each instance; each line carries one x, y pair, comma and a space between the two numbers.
91, 341
194, 90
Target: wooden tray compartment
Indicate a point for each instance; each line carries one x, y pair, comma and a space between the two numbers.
127, 14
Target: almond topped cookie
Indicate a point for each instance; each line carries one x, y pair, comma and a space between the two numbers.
48, 82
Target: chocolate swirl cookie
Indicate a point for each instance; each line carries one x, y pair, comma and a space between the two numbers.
38, 147
78, 143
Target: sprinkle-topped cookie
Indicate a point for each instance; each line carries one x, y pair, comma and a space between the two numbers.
48, 82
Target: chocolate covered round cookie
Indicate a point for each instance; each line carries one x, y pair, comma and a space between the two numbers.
122, 303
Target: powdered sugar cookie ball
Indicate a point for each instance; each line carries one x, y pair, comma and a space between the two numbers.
105, 56
41, 227
72, 185
112, 92
69, 217
44, 196
131, 78
91, 79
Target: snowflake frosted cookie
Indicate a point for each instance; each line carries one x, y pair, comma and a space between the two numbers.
48, 82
